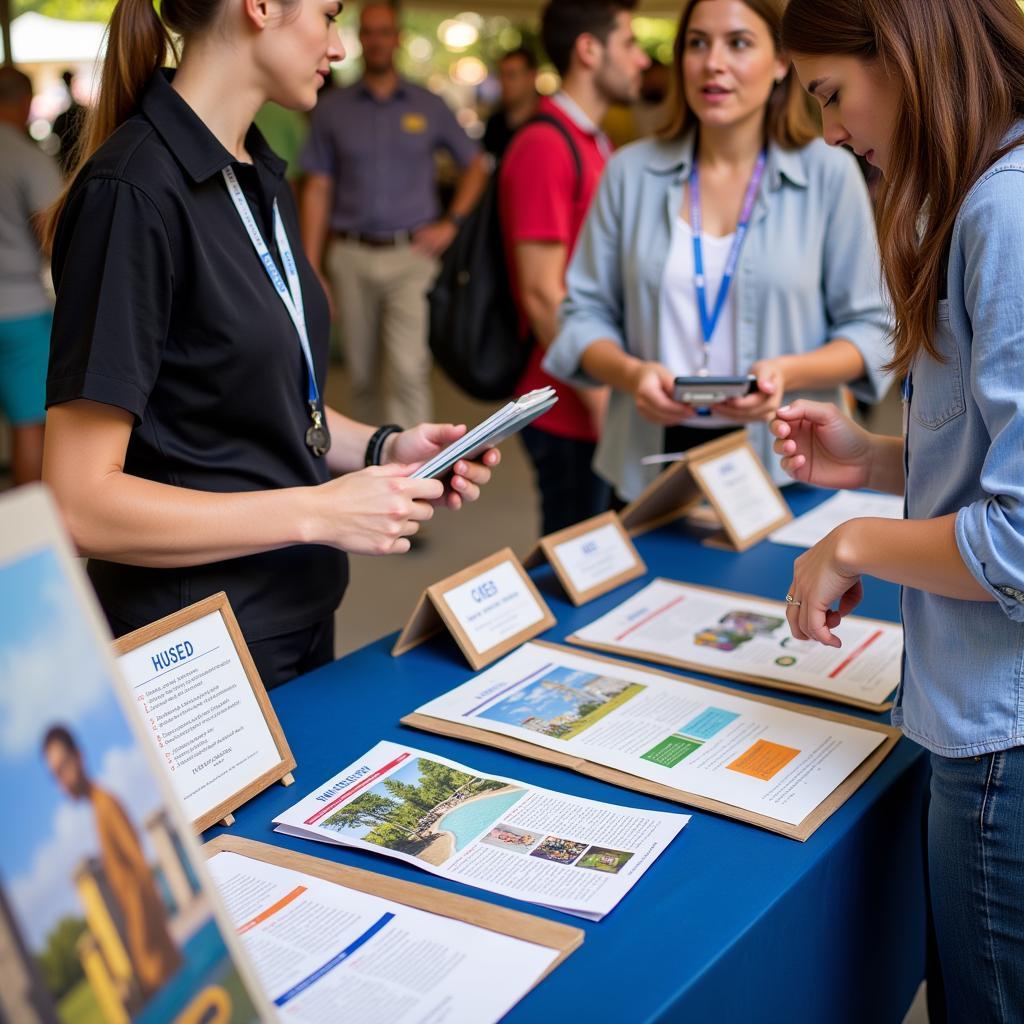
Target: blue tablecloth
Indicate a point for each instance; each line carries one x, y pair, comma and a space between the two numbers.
732, 923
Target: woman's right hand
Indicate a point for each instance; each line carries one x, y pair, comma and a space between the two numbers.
373, 511
653, 386
821, 446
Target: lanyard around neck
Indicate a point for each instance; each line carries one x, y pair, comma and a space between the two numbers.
708, 322
290, 294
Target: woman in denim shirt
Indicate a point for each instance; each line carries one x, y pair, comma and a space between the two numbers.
805, 311
933, 94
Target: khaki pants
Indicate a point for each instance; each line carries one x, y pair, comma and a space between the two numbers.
380, 299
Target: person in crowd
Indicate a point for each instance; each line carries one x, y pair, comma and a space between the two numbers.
371, 191
29, 183
67, 126
626, 123
544, 195
188, 443
933, 95
736, 242
517, 75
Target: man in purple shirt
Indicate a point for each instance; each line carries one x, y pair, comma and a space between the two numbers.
370, 213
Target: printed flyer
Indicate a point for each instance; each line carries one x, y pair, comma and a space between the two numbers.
559, 851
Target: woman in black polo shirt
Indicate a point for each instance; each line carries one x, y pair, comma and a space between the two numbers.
187, 442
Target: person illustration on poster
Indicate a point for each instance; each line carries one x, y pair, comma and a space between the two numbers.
153, 953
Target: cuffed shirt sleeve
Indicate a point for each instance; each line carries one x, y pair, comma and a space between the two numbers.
593, 307
855, 298
990, 532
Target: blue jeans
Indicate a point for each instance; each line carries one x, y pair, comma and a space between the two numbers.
976, 878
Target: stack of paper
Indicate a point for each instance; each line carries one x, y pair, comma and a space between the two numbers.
504, 423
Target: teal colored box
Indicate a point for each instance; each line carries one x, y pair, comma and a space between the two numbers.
708, 723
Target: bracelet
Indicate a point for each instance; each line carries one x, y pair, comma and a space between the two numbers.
375, 447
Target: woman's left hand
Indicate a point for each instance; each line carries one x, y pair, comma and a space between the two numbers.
822, 577
761, 405
415, 446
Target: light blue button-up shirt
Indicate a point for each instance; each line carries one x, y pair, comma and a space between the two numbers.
963, 680
809, 273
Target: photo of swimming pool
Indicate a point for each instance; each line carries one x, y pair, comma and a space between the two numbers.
466, 823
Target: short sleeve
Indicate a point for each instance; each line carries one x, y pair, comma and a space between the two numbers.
317, 156
450, 135
538, 183
114, 276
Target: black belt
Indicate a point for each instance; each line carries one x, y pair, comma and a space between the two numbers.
391, 241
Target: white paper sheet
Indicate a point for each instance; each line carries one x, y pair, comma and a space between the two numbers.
773, 761
740, 634
327, 953
595, 557
577, 856
806, 530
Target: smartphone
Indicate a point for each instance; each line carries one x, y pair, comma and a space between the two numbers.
712, 390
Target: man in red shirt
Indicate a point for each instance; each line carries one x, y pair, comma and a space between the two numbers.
543, 202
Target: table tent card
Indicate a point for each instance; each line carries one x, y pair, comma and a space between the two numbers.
490, 609
728, 474
762, 761
590, 558
391, 951
99, 872
204, 706
739, 636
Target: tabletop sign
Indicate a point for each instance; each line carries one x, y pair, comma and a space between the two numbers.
591, 558
490, 609
206, 710
740, 490
728, 474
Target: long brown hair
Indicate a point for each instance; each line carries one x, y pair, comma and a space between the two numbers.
959, 69
138, 42
789, 121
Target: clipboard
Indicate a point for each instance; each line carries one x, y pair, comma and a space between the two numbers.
742, 677
513, 923
800, 832
222, 812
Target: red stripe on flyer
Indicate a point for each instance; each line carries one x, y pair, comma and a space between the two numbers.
652, 615
348, 794
856, 654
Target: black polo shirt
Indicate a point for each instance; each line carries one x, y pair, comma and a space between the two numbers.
164, 309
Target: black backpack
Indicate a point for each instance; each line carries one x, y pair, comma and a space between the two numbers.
474, 323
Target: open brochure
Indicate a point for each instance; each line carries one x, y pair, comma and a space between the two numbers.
577, 856
719, 748
748, 638
325, 952
507, 421
806, 530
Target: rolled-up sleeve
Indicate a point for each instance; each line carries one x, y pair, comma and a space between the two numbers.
593, 306
990, 532
856, 302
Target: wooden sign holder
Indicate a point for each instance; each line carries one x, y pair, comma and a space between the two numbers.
222, 813
431, 615
679, 490
547, 550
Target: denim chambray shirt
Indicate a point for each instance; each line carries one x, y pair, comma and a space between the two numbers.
963, 677
809, 272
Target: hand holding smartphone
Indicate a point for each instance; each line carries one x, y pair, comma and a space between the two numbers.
704, 391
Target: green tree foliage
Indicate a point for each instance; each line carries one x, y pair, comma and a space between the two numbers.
58, 963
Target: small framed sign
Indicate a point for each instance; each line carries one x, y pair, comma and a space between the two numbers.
740, 490
204, 706
489, 608
592, 557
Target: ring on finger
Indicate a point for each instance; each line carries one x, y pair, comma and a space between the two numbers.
791, 600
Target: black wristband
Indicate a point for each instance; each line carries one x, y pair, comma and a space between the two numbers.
375, 447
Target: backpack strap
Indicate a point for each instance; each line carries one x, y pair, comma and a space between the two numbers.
564, 132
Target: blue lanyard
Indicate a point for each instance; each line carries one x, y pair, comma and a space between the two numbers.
708, 322
290, 294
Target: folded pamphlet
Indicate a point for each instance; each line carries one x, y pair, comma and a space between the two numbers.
508, 420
